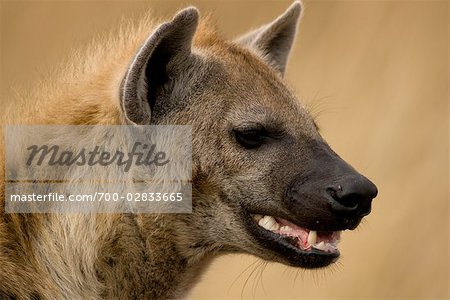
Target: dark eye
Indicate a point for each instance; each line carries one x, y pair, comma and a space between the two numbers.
250, 138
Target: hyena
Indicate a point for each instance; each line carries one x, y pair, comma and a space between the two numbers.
264, 181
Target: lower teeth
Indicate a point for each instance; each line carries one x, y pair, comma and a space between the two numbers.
269, 223
325, 247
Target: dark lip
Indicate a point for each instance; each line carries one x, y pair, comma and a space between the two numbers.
287, 252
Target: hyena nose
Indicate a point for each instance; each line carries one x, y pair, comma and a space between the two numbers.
353, 195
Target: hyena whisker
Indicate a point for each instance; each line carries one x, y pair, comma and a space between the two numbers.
257, 278
241, 273
255, 268
261, 277
319, 106
295, 277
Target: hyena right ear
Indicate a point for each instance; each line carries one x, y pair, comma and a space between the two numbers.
170, 44
274, 40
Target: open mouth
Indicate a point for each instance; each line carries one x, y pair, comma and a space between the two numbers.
301, 247
300, 237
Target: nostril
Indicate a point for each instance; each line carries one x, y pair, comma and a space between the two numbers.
351, 200
353, 195
343, 202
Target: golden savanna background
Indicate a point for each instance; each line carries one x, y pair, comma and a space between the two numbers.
376, 75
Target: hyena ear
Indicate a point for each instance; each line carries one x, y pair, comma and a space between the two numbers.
169, 45
274, 40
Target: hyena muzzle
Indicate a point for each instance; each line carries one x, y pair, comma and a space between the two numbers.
264, 181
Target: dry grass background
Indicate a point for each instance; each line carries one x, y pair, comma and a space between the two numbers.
377, 75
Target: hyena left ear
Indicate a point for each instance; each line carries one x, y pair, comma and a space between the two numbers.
168, 47
274, 40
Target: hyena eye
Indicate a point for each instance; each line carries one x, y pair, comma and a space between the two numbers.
250, 138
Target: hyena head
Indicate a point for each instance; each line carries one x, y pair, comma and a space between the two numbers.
264, 180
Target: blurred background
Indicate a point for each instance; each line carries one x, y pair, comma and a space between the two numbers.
376, 76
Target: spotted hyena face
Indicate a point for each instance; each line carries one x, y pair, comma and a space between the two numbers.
264, 180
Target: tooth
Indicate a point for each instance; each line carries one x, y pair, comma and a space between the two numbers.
264, 223
320, 246
312, 237
331, 247
267, 222
275, 226
285, 228
257, 217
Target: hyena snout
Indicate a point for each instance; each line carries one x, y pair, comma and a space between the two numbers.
352, 195
335, 195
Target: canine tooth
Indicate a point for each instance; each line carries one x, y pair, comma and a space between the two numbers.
320, 246
267, 222
257, 217
312, 237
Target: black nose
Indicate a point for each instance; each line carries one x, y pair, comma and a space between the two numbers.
353, 195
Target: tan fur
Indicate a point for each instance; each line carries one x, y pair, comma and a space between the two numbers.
84, 91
